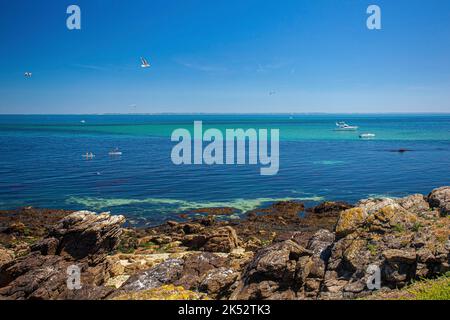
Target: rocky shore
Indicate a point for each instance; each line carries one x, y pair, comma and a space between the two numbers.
285, 251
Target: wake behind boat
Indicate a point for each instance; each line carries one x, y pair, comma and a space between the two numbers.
342, 126
367, 135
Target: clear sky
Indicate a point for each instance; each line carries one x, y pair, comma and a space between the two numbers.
220, 56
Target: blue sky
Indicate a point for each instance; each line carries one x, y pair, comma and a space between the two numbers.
225, 56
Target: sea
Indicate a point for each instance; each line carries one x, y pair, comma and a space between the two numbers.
41, 162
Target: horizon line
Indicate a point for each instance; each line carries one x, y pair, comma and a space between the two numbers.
224, 113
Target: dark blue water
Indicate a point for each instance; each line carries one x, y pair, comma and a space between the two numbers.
41, 163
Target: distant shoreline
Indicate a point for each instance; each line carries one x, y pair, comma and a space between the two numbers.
231, 114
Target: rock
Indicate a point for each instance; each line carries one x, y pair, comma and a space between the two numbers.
16, 228
416, 204
165, 292
117, 281
321, 242
372, 205
196, 266
395, 235
440, 198
164, 273
48, 246
350, 220
330, 208
204, 270
395, 255
221, 240
45, 277
399, 267
80, 239
6, 256
25, 226
84, 234
219, 283
272, 272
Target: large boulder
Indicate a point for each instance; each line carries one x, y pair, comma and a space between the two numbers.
440, 198
286, 270
83, 235
272, 273
221, 239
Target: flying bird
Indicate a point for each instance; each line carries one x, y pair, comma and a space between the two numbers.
27, 74
144, 63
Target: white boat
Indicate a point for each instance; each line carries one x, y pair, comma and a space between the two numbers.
342, 126
115, 152
89, 155
367, 135
83, 121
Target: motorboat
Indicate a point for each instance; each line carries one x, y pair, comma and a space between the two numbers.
342, 126
115, 152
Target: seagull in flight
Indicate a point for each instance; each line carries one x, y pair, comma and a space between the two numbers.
144, 63
28, 74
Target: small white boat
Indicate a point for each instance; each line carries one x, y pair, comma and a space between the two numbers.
89, 155
367, 135
83, 121
342, 126
115, 152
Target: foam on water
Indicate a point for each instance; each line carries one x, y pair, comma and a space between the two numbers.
328, 162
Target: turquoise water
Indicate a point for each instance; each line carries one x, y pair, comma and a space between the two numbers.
41, 163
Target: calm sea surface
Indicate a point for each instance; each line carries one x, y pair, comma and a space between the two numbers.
41, 163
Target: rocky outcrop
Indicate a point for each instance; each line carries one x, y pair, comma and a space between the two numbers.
331, 251
83, 235
440, 199
211, 273
381, 234
81, 240
286, 270
398, 239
